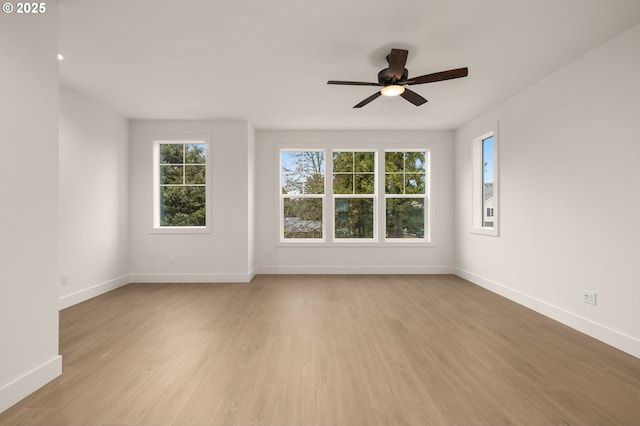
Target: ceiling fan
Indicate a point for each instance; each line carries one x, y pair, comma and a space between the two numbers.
394, 79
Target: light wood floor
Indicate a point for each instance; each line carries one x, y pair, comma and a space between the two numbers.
327, 350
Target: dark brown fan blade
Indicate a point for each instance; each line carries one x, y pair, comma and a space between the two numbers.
440, 76
413, 97
369, 99
397, 61
353, 83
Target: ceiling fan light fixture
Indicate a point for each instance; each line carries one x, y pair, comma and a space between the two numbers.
392, 90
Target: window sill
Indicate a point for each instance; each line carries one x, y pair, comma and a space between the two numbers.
355, 244
181, 230
492, 232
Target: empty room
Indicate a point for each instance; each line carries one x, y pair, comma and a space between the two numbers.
320, 213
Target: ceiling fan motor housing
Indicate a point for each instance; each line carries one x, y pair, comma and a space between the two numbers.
386, 79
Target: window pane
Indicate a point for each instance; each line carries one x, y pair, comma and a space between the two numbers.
343, 162
196, 153
405, 172
195, 174
343, 184
405, 218
394, 183
171, 175
394, 161
181, 185
182, 206
414, 183
302, 172
354, 173
487, 182
364, 183
171, 153
364, 162
415, 162
354, 217
302, 218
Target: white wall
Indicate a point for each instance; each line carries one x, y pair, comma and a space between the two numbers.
29, 211
569, 195
273, 257
251, 198
226, 253
94, 196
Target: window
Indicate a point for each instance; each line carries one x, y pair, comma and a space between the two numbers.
485, 182
354, 188
331, 196
405, 194
181, 190
302, 181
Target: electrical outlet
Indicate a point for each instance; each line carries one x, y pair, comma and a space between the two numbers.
65, 278
172, 261
589, 297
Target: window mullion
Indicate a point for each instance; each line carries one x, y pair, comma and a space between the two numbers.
184, 162
329, 207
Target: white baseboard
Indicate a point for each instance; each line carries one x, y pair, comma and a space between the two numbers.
346, 270
191, 277
23, 386
593, 329
93, 291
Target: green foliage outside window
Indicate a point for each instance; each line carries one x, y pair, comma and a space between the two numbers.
302, 181
353, 174
354, 217
303, 217
182, 184
405, 174
405, 218
353, 191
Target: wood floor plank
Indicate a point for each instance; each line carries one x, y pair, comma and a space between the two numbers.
327, 350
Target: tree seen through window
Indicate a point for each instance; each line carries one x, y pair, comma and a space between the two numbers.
182, 172
405, 189
302, 187
353, 190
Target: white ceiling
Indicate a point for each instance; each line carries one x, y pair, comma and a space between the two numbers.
268, 61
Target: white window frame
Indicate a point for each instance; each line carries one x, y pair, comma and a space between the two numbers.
316, 196
328, 231
478, 208
426, 197
195, 139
